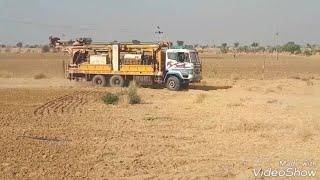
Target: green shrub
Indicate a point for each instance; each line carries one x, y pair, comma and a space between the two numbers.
110, 98
134, 99
307, 53
291, 47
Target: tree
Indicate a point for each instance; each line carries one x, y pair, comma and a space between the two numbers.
180, 43
236, 44
291, 47
224, 45
84, 40
254, 44
309, 46
136, 42
19, 45
224, 48
244, 49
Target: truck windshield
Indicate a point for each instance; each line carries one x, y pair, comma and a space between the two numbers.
194, 57
184, 57
179, 56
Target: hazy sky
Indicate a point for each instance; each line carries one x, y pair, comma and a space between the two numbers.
195, 21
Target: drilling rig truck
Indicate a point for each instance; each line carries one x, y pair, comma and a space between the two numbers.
116, 64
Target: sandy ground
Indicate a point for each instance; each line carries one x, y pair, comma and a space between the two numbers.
222, 129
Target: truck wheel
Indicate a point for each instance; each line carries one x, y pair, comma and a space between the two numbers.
185, 85
116, 81
99, 80
173, 83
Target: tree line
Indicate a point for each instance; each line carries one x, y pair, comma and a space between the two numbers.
44, 48
290, 47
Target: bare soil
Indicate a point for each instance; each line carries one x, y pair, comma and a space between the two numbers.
223, 128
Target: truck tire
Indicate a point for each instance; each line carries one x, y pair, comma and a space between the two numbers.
116, 81
185, 85
173, 83
99, 80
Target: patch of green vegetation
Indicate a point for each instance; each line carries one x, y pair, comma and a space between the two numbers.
110, 98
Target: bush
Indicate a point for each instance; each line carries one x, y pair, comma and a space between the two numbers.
134, 98
244, 49
129, 96
19, 45
298, 52
45, 49
33, 46
307, 53
291, 47
110, 98
224, 48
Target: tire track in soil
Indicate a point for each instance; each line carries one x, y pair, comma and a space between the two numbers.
67, 104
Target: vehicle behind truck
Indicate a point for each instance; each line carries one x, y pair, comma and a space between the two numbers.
116, 64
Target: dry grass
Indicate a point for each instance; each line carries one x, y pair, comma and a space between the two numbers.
272, 101
40, 76
133, 96
242, 126
274, 89
310, 83
5, 74
235, 105
34, 55
123, 101
250, 66
200, 98
305, 133
307, 78
235, 77
295, 77
154, 118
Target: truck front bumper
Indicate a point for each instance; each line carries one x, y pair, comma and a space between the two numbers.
193, 79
